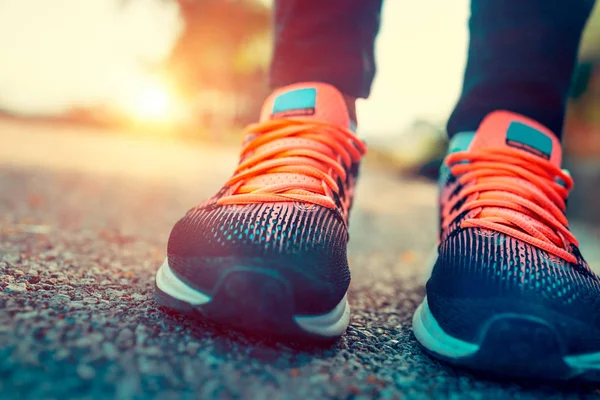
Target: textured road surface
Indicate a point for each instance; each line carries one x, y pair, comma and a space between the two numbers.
84, 218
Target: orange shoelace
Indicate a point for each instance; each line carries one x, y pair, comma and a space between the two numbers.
517, 194
311, 160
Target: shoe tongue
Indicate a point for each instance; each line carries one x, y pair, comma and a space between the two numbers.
318, 101
514, 131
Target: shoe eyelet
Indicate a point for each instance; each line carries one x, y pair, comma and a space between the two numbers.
305, 207
551, 258
487, 233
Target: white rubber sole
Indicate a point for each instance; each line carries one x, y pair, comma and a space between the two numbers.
431, 335
331, 324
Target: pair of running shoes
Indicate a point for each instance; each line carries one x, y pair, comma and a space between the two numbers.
509, 294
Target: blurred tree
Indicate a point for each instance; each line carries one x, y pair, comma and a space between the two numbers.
224, 44
219, 62
220, 59
589, 50
582, 125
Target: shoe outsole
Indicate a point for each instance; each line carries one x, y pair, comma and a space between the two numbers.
256, 301
510, 346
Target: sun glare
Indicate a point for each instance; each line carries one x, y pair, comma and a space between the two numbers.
153, 102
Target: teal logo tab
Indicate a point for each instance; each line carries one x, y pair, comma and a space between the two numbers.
295, 103
526, 138
459, 142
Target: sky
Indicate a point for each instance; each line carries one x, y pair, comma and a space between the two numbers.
421, 53
57, 53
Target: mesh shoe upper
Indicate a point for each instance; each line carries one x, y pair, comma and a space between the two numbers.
483, 271
286, 207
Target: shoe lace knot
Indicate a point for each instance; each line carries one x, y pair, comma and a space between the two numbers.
508, 191
296, 160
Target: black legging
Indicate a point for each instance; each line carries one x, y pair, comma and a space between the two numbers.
521, 54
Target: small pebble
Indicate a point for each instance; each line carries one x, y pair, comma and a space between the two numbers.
60, 298
16, 287
85, 372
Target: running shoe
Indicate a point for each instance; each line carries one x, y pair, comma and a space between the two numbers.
267, 253
510, 293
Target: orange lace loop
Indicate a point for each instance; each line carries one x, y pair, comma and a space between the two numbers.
517, 194
326, 153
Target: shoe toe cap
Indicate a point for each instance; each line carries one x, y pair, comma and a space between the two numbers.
306, 249
467, 289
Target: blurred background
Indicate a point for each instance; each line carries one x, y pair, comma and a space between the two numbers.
195, 70
117, 116
174, 67
188, 65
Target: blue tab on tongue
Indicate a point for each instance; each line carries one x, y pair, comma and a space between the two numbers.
296, 103
524, 137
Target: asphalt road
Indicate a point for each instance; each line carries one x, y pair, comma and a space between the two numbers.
84, 219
